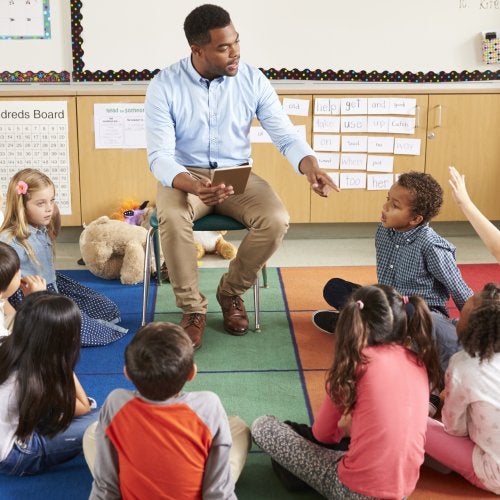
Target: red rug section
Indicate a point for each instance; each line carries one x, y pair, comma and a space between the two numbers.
304, 294
476, 276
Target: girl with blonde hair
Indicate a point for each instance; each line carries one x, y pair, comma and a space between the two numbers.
31, 225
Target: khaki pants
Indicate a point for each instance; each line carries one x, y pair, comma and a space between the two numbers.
240, 433
258, 208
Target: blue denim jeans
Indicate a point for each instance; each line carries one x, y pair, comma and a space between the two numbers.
38, 452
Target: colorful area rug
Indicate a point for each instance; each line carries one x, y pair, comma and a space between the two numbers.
279, 371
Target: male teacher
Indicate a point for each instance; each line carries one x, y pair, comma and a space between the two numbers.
198, 117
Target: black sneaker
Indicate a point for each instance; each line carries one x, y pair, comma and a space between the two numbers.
434, 404
287, 479
326, 321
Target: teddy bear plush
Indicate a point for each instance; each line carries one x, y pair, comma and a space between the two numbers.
114, 249
213, 242
204, 241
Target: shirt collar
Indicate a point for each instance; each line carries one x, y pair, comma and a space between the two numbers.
197, 77
37, 229
407, 236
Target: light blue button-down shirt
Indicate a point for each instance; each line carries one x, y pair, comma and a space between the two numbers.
191, 121
41, 244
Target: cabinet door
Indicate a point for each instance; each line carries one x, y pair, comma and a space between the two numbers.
356, 205
109, 176
464, 131
271, 165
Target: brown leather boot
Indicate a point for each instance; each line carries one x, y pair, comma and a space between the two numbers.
235, 315
194, 325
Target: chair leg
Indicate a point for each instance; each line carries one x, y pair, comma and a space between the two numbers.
147, 274
264, 277
157, 251
256, 304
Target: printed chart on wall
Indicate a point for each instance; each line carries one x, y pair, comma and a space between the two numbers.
119, 126
364, 161
35, 134
352, 159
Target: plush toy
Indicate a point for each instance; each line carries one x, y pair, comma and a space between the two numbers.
131, 211
205, 241
213, 242
113, 249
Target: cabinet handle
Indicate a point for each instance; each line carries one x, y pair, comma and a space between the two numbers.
439, 115
417, 116
431, 135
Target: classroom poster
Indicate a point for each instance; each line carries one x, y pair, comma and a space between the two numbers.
21, 19
35, 134
119, 126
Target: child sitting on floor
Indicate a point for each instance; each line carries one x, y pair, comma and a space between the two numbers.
161, 442
44, 410
377, 392
31, 224
412, 258
10, 282
468, 440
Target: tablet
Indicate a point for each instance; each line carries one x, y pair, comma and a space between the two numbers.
232, 176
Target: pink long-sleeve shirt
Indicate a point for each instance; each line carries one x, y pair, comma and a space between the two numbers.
389, 422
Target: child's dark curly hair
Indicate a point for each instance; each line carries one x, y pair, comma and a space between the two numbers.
427, 193
481, 335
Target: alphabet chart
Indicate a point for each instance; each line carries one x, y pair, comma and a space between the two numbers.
35, 134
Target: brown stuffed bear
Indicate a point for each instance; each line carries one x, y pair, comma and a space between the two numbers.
114, 249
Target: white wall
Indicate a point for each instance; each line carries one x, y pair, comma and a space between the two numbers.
371, 35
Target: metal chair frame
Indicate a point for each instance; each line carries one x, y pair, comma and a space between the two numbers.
211, 222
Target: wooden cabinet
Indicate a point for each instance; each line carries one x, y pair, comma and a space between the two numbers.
352, 205
455, 128
271, 165
109, 176
464, 130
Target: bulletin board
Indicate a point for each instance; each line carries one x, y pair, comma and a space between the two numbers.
45, 59
329, 40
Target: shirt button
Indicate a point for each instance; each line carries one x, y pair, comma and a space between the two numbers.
391, 266
397, 246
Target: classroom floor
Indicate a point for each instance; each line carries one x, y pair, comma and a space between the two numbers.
306, 245
314, 245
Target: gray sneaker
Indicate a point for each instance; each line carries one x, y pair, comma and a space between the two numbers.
326, 321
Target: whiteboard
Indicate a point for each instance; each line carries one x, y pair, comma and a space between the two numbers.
327, 35
49, 59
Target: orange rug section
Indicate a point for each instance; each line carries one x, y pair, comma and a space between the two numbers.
303, 288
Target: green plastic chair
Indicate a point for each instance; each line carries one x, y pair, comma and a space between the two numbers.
211, 222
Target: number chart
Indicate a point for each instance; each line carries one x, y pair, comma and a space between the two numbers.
35, 134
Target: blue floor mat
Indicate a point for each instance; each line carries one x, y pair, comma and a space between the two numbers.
100, 369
